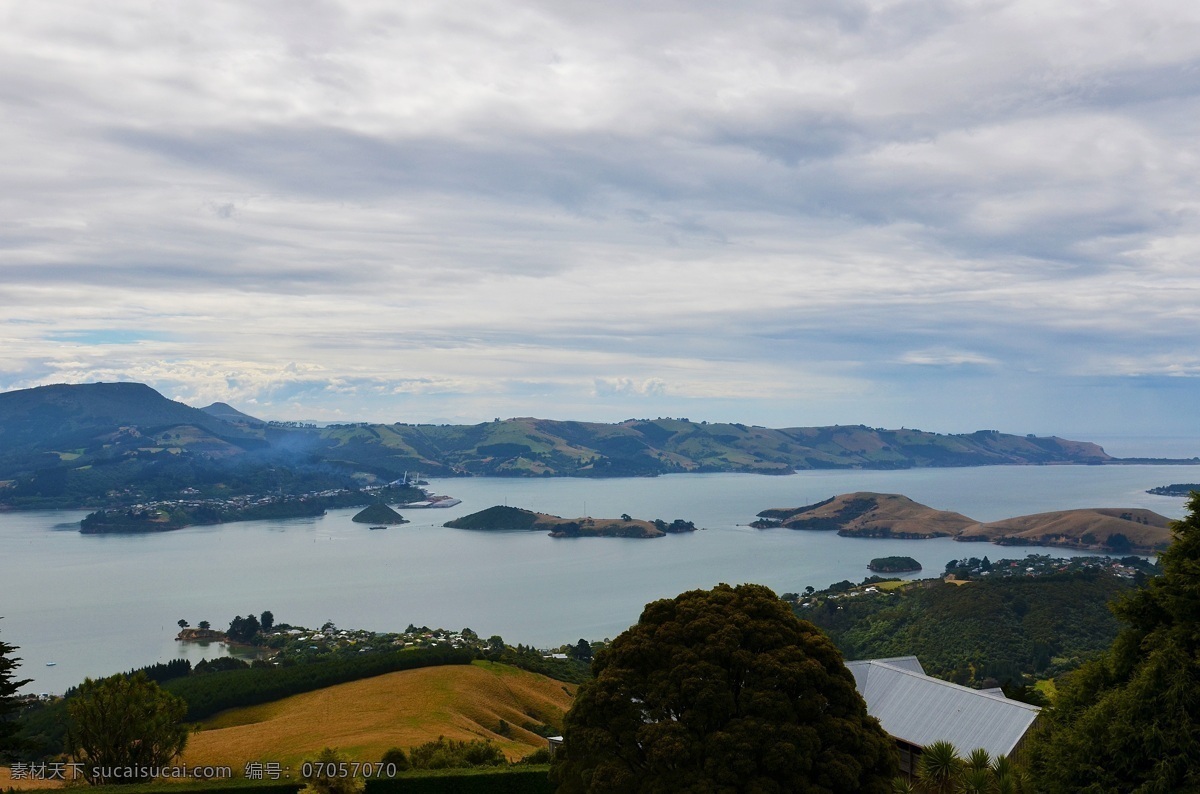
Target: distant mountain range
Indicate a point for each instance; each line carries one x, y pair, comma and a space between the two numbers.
85, 442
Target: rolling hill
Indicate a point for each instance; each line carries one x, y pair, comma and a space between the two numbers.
865, 514
870, 515
73, 415
1099, 528
365, 718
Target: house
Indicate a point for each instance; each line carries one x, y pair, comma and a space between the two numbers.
917, 710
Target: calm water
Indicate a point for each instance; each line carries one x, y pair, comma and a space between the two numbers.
95, 605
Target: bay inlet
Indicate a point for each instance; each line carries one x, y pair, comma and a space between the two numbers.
97, 604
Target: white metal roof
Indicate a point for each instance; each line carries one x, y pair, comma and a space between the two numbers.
921, 710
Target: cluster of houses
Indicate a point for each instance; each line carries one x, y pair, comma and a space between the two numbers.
1045, 565
295, 641
225, 504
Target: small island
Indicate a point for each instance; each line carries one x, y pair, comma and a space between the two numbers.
501, 517
894, 565
379, 514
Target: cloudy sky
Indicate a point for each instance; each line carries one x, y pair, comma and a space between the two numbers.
945, 215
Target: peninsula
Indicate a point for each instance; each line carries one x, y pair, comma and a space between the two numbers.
873, 515
1175, 489
501, 517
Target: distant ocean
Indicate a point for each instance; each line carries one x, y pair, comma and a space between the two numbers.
1147, 446
98, 604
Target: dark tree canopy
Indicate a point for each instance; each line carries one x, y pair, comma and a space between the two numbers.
243, 629
124, 723
1130, 721
8, 700
720, 691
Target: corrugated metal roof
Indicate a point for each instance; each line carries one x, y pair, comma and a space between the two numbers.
921, 710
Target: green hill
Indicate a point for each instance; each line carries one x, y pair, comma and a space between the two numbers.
1000, 628
67, 415
498, 517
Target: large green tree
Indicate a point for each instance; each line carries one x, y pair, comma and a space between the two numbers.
719, 691
1130, 721
123, 727
8, 698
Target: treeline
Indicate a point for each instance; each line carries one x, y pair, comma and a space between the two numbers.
991, 631
208, 694
574, 670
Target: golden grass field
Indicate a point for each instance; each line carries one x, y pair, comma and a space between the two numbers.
365, 718
23, 784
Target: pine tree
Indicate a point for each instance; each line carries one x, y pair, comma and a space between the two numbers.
1130, 721
9, 702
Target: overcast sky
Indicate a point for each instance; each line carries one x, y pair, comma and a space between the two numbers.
945, 215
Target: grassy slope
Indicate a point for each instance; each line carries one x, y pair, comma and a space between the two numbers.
1144, 528
864, 513
365, 718
883, 513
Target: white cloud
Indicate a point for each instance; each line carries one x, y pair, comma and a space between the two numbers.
945, 357
577, 206
628, 386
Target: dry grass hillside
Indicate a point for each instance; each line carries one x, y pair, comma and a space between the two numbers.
1089, 528
365, 718
865, 514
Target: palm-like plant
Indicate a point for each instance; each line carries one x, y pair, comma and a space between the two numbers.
941, 771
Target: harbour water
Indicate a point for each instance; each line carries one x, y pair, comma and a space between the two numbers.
98, 604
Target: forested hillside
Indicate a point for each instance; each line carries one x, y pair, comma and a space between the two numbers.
991, 628
111, 443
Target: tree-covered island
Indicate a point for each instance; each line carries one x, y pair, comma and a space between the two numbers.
894, 565
501, 517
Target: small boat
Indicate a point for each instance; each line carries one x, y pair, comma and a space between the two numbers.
381, 526
51, 664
